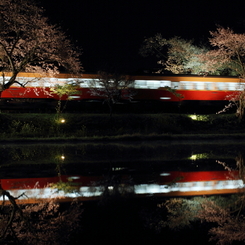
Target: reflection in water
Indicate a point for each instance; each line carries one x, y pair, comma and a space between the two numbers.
89, 170
96, 171
222, 215
175, 183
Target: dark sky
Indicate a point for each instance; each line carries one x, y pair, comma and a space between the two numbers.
111, 32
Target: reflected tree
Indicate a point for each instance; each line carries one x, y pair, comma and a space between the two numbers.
115, 185
38, 223
228, 219
241, 166
64, 184
224, 215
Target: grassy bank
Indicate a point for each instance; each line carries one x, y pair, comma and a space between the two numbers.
84, 126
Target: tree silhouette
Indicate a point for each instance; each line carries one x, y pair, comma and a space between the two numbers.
112, 88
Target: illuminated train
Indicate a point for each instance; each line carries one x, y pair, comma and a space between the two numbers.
198, 90
173, 183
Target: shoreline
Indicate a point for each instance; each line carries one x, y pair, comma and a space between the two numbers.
174, 138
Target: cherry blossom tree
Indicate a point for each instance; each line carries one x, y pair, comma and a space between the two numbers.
30, 43
226, 56
176, 55
228, 53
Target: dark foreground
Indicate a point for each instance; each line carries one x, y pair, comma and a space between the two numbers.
130, 221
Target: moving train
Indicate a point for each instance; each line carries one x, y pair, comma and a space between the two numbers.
197, 90
173, 183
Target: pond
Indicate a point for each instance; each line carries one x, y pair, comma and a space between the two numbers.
142, 174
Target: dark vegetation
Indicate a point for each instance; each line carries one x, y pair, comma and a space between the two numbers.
39, 125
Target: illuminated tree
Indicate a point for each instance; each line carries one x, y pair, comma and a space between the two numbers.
30, 43
228, 53
64, 90
112, 89
176, 55
226, 56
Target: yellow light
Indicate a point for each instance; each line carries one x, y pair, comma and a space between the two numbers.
62, 120
193, 157
199, 117
62, 157
193, 117
199, 156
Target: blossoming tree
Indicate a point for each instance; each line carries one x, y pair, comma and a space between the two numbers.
30, 43
177, 55
225, 56
43, 222
228, 52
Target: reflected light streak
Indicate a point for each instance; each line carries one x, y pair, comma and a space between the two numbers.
96, 191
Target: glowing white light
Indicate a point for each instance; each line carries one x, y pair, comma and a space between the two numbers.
74, 97
74, 177
189, 186
165, 98
193, 117
164, 174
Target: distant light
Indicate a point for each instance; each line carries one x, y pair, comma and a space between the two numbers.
74, 177
74, 97
204, 118
165, 98
62, 120
62, 157
193, 117
193, 157
117, 169
199, 156
164, 174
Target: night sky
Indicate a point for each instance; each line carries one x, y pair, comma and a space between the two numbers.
111, 32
